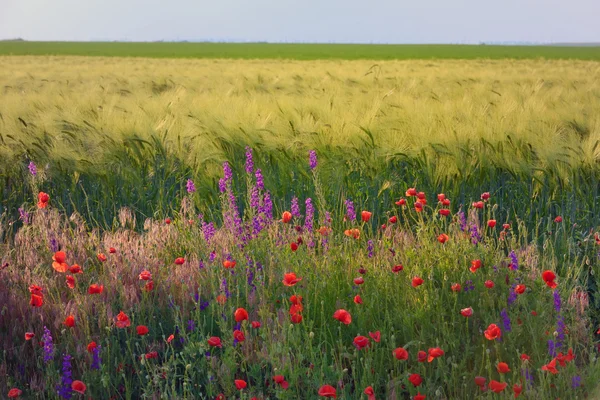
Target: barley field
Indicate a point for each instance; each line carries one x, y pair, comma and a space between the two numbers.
178, 228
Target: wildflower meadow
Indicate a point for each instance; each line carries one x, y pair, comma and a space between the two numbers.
297, 298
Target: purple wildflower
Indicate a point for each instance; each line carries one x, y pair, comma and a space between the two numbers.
255, 198
469, 286
224, 288
528, 377
249, 161
310, 213
312, 158
227, 173
560, 330
204, 305
32, 168
268, 207
54, 245
48, 345
514, 261
462, 220
260, 182
576, 381
557, 301
222, 185
190, 187
350, 212
512, 295
212, 256
505, 320
96, 360
24, 216
208, 230
191, 325
475, 236
551, 348
64, 388
370, 248
295, 207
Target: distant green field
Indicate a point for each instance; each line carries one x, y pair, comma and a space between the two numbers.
297, 51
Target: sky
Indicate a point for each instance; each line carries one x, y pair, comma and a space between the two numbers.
325, 21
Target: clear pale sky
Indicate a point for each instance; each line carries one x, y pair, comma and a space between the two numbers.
365, 21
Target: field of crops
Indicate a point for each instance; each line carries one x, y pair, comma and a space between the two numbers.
282, 229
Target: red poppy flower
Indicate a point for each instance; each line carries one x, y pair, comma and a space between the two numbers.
29, 335
170, 338
525, 357
215, 341
416, 281
491, 223
376, 336
397, 268
240, 384
280, 380
167, 221
393, 219
35, 289
411, 192
478, 204
294, 299
498, 387
36, 300
179, 261
294, 246
485, 196
255, 324
489, 284
444, 212
221, 299
520, 289
149, 286
366, 216
43, 199
569, 356
70, 281
240, 315
101, 257
456, 287
506, 226
359, 281
517, 389
239, 335
145, 275
70, 321
549, 277
434, 353
419, 206
502, 368
443, 238
75, 269
493, 332
286, 217
419, 396
220, 396
401, 354
558, 219
228, 264
112, 250
95, 289
151, 355
14, 393
358, 299
480, 381
142, 330
446, 202
415, 379
475, 265
421, 356
466, 312
91, 346
59, 263
360, 342
354, 233
343, 316
290, 279
328, 391
296, 318
401, 202
441, 196
122, 320
369, 392
551, 367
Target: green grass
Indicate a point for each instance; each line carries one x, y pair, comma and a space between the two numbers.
297, 51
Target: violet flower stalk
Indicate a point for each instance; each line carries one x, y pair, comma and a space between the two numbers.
350, 212
64, 388
190, 187
32, 168
295, 208
312, 159
505, 320
249, 161
96, 360
48, 345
